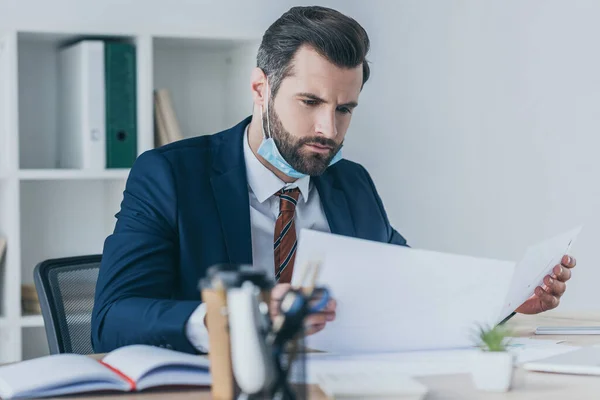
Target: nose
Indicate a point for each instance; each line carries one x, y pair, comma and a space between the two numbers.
326, 125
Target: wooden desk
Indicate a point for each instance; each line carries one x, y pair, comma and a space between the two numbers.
528, 385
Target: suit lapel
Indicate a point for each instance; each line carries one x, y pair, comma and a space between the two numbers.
230, 188
335, 205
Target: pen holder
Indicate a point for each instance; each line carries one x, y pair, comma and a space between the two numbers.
221, 278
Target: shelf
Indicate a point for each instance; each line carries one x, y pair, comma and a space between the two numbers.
65, 218
5, 174
37, 321
70, 174
34, 342
218, 97
32, 321
50, 212
38, 94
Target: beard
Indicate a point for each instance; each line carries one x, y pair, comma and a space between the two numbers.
293, 151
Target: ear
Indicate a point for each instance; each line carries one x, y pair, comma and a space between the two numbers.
258, 84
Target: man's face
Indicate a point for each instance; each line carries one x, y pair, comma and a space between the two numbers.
311, 112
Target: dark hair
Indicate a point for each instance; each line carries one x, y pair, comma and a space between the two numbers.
335, 36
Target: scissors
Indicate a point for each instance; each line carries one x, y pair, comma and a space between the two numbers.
296, 302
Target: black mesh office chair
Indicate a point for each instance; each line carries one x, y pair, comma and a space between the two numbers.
66, 288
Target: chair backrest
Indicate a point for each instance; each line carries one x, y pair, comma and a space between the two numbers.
66, 288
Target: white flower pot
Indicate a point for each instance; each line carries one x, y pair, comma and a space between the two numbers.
493, 370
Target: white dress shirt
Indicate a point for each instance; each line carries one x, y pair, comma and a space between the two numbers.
264, 208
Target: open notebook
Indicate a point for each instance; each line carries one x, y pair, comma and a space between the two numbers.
128, 369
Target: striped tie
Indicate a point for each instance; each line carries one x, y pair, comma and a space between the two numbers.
285, 235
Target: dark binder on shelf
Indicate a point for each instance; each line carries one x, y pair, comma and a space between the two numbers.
121, 104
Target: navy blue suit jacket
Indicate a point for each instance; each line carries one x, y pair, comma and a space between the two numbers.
186, 207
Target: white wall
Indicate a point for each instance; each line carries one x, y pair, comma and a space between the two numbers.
220, 17
229, 17
481, 125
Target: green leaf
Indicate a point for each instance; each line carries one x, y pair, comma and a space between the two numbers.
493, 339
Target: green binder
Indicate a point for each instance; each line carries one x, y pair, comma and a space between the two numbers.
121, 104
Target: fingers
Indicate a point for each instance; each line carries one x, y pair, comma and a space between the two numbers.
322, 317
311, 330
531, 306
329, 310
330, 316
279, 290
568, 261
561, 273
277, 294
543, 300
316, 319
331, 306
554, 287
316, 322
546, 300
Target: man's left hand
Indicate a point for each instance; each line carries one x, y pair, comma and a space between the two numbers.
548, 295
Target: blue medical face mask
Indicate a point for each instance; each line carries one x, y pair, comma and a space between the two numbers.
269, 151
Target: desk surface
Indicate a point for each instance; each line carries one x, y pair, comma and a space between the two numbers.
528, 385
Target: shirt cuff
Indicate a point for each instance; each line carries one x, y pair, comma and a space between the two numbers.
195, 329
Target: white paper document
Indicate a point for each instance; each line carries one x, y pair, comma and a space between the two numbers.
539, 260
392, 298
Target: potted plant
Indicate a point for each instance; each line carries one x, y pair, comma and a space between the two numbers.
492, 368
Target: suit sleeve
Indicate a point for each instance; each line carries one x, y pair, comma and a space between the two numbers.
133, 302
392, 235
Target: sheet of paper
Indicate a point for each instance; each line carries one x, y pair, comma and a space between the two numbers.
392, 298
527, 354
529, 343
538, 262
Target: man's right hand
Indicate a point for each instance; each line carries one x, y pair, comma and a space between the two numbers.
313, 323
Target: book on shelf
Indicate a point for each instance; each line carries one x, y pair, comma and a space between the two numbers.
30, 302
131, 368
161, 136
97, 105
167, 129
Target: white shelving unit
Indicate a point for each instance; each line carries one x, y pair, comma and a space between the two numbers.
32, 321
70, 174
48, 212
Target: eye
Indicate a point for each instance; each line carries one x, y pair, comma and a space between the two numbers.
345, 110
309, 102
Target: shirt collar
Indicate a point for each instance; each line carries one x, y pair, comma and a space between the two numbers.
265, 183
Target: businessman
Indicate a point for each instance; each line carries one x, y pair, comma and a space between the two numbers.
241, 195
